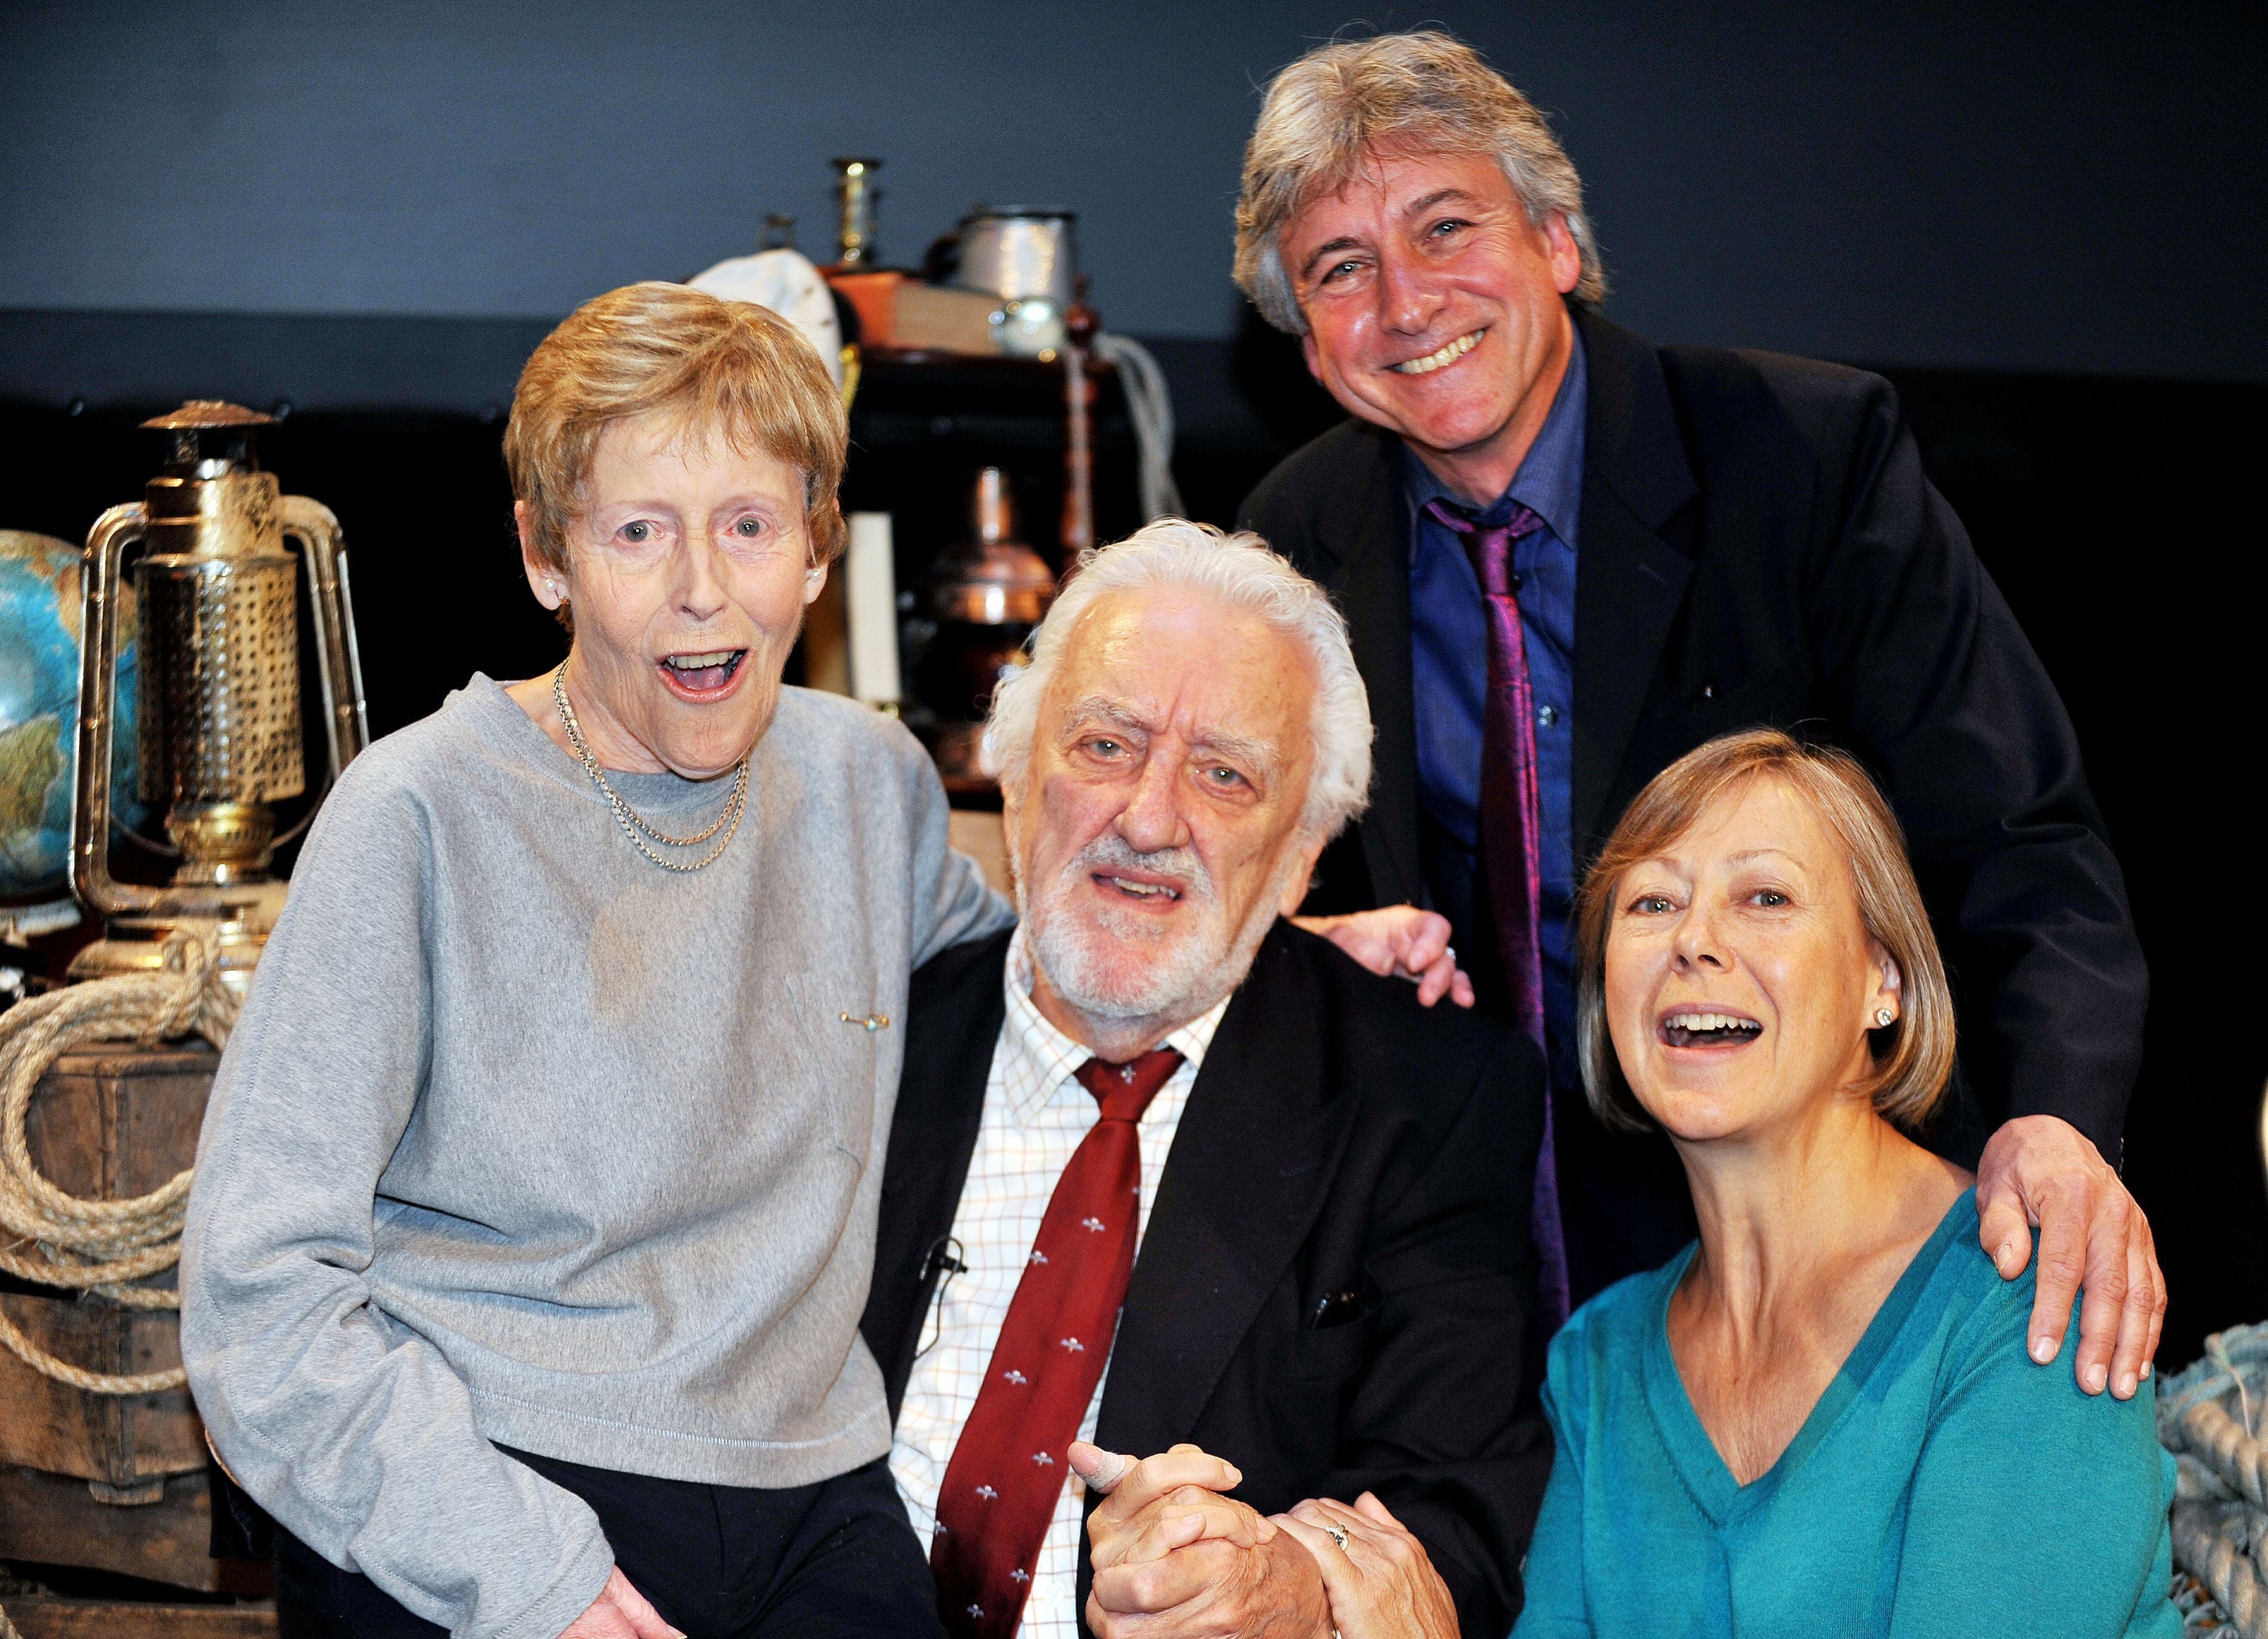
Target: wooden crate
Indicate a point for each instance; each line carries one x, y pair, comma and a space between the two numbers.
112, 1123
40, 1616
53, 1519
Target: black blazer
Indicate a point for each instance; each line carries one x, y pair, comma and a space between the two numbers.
1339, 1138
1759, 545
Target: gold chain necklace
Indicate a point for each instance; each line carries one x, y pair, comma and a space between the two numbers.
632, 821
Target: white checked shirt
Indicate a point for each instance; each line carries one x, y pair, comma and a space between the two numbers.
1036, 1115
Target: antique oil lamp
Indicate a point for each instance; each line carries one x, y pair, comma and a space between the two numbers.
985, 596
220, 721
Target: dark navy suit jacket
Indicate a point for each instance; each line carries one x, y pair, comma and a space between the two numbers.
1759, 546
1340, 1139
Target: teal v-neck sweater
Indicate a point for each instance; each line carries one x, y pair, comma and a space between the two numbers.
1943, 1484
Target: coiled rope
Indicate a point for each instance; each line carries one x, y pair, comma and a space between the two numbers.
2208, 1417
98, 1245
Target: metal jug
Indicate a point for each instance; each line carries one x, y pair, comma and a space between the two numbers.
1018, 253
220, 723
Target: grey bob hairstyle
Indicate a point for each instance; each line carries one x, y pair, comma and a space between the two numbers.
1424, 92
1913, 1054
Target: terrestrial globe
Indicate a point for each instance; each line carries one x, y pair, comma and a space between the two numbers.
40, 611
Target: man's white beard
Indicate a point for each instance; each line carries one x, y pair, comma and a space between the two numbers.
1126, 964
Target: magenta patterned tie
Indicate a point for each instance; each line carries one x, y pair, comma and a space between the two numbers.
1511, 844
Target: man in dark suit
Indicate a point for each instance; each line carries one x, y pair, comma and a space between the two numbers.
1326, 1283
1676, 543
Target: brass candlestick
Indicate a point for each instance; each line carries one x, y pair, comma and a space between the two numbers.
858, 195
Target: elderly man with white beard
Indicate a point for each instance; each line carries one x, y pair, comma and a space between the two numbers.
1169, 1175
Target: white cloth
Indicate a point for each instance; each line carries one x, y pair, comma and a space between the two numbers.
1036, 1115
786, 282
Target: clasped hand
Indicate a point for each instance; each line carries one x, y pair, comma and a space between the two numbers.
1175, 1558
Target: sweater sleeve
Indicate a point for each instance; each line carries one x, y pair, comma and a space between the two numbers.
351, 1431
2035, 1508
952, 902
1551, 1577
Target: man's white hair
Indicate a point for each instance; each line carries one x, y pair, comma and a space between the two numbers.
1173, 552
1330, 113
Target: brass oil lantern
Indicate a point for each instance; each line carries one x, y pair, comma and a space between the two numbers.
220, 721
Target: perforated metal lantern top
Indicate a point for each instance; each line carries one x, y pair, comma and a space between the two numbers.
220, 626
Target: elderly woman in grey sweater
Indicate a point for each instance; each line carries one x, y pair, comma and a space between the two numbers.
534, 1209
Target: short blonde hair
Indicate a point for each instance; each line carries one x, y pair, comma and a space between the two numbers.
1325, 115
1913, 1055
719, 368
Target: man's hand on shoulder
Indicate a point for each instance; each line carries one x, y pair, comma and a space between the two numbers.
2041, 1170
1400, 942
1175, 1558
621, 1612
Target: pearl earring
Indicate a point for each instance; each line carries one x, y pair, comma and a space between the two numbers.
551, 586
1882, 1017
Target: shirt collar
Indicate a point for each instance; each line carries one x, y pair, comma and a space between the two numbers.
1549, 481
1057, 1056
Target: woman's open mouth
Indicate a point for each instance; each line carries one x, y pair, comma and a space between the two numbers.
703, 676
1698, 1028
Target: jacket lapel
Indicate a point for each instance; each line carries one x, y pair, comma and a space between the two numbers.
953, 1015
1370, 536
1630, 582
1241, 1187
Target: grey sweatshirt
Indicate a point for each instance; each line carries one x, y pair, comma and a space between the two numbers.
524, 1140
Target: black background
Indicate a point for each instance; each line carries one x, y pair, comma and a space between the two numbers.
2045, 223
2117, 516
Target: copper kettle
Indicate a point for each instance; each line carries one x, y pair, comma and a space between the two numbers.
985, 596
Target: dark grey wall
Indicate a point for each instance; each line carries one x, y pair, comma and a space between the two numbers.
2074, 187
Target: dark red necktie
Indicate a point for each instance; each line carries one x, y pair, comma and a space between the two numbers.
1008, 1466
1511, 844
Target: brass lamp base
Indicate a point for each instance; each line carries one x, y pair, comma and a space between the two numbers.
136, 944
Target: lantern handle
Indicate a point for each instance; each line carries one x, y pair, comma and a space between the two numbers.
101, 578
346, 721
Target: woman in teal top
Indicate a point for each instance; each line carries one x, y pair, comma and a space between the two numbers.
1821, 1417
1942, 1484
